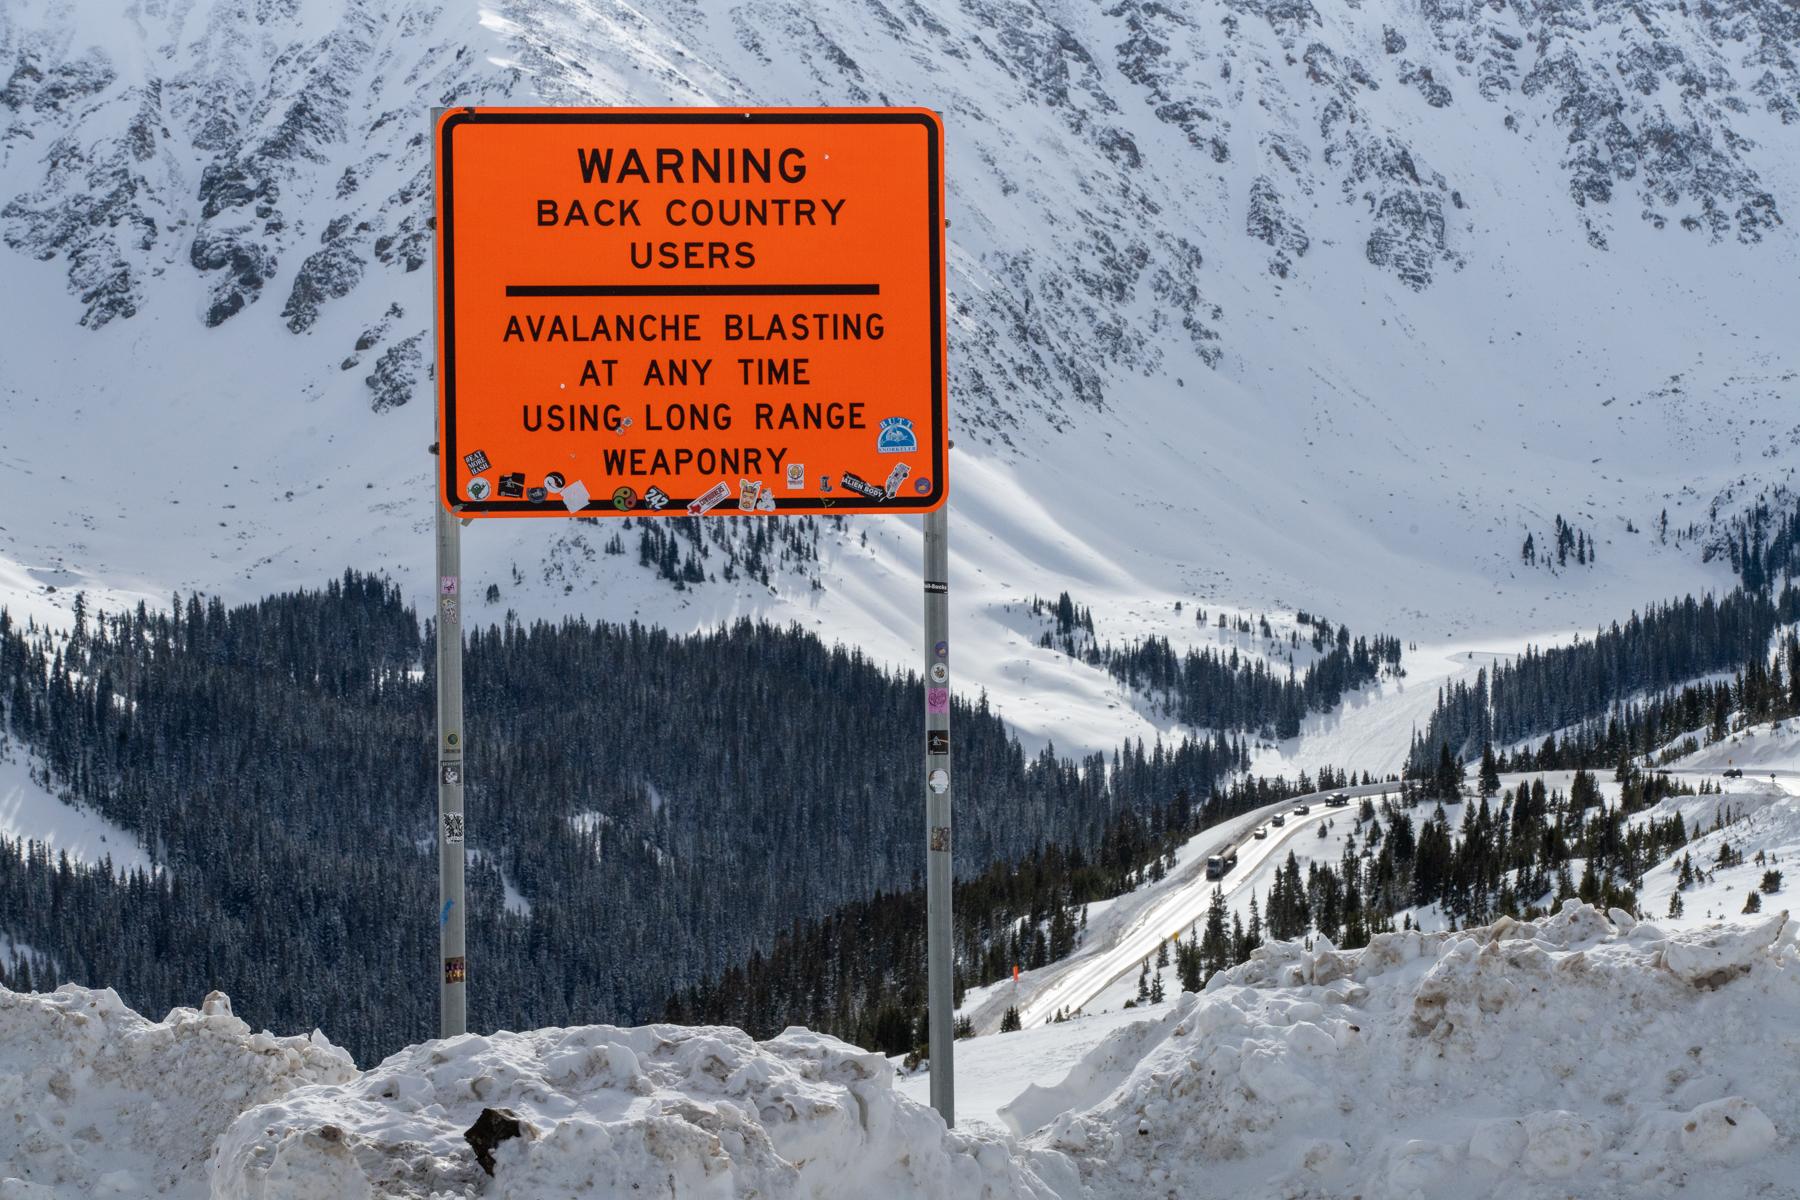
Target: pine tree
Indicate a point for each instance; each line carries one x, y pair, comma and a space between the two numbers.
1490, 770
1009, 1022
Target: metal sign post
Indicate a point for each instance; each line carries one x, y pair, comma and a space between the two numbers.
453, 1006
939, 980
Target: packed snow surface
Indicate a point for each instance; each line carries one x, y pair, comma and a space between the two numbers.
1585, 1054
1580, 1055
660, 1110
98, 1101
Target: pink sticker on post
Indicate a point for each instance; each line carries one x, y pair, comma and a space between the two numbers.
937, 700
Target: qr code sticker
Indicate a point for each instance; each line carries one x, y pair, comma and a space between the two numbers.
453, 828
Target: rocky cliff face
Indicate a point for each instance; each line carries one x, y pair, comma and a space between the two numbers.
275, 148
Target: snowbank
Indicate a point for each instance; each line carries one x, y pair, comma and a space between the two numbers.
1586, 1054
101, 1102
1579, 1055
660, 1110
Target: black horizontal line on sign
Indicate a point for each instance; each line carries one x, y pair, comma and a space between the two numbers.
692, 289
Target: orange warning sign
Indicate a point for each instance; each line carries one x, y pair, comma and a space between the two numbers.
668, 312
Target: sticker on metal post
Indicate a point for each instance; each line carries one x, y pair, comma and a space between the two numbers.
450, 774
937, 587
937, 700
937, 741
938, 781
940, 838
456, 970
939, 672
447, 585
453, 829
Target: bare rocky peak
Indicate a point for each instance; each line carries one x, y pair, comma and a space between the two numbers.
1113, 166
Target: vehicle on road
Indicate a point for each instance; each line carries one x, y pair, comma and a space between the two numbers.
1733, 773
1278, 820
1262, 831
1340, 800
1301, 810
1219, 864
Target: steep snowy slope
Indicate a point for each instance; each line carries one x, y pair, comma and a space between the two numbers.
1259, 304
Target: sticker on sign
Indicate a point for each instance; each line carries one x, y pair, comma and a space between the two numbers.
661, 299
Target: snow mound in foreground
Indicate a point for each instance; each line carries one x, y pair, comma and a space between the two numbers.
99, 1101
1585, 1054
1581, 1054
660, 1110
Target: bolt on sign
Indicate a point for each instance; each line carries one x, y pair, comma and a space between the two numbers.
666, 312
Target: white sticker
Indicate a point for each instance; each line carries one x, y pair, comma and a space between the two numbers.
453, 829
447, 585
939, 672
796, 476
575, 496
939, 781
709, 499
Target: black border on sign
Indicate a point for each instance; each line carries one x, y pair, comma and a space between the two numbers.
677, 506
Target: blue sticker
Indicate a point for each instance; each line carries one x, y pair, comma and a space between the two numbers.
897, 436
444, 916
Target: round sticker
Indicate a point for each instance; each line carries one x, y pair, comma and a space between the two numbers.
921, 485
624, 499
942, 649
939, 672
553, 482
939, 781
479, 489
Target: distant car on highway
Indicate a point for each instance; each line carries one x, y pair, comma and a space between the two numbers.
1339, 800
1301, 810
1278, 820
1262, 831
1733, 773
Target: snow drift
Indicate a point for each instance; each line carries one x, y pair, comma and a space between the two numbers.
1578, 1055
1583, 1054
99, 1101
661, 1110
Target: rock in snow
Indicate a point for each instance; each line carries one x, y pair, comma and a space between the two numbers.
1570, 1056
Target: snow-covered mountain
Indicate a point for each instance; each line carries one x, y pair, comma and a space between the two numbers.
1257, 304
